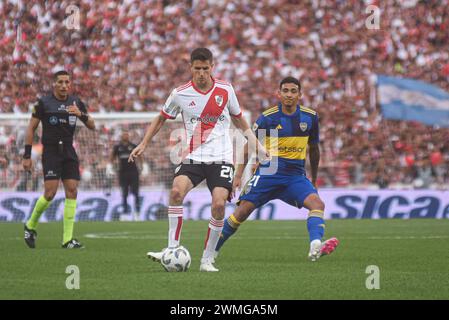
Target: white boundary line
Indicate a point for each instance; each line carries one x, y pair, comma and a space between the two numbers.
135, 235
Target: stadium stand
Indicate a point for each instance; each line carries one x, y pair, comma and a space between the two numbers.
127, 56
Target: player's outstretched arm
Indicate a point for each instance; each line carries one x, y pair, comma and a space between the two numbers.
314, 157
152, 130
32, 126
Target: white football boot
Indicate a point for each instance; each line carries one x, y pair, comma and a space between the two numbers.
215, 256
207, 265
315, 250
156, 256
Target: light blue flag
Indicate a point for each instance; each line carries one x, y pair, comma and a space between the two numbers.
413, 100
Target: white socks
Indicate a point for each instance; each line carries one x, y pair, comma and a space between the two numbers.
315, 245
213, 234
174, 225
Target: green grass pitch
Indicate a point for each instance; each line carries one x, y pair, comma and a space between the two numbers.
264, 260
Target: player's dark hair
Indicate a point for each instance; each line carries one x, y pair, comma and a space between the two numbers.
290, 80
202, 54
60, 73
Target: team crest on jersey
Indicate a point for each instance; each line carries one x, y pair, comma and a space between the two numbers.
219, 100
53, 120
303, 126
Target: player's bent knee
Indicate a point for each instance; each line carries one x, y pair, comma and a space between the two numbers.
49, 195
313, 202
218, 205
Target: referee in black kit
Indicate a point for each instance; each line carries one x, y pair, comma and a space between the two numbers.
128, 173
58, 113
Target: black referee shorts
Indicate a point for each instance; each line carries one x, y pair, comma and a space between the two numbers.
60, 165
216, 174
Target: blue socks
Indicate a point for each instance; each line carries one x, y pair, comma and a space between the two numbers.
315, 226
230, 227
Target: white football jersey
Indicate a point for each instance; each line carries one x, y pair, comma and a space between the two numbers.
207, 119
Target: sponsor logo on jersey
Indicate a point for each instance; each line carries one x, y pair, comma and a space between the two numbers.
219, 100
62, 121
290, 149
53, 120
303, 126
207, 119
72, 120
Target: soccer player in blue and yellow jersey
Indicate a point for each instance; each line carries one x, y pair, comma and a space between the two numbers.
296, 128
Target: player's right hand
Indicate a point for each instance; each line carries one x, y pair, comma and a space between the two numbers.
136, 152
27, 164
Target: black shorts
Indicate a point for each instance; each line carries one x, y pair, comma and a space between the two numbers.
129, 179
216, 174
59, 164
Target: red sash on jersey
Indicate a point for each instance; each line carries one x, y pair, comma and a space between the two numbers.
210, 115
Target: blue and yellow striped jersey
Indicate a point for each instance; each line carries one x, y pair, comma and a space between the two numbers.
294, 133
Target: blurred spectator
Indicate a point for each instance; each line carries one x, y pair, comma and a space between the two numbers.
424, 174
128, 55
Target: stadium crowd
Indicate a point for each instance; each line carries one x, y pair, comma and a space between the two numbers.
128, 55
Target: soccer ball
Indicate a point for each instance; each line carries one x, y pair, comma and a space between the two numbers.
176, 259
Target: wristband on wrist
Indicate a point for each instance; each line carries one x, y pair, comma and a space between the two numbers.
27, 153
84, 117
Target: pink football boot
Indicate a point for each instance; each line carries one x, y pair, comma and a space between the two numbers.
329, 246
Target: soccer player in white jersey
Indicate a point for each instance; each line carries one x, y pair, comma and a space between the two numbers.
207, 106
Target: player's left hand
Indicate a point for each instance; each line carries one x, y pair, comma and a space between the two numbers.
236, 185
73, 109
137, 151
264, 154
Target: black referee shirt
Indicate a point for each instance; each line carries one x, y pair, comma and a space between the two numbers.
57, 123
